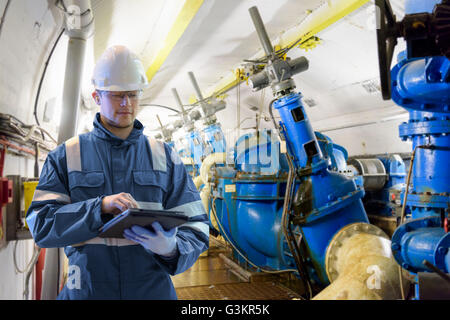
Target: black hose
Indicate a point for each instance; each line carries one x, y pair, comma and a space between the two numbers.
42, 80
3, 16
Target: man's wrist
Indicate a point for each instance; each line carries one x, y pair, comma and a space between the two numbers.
170, 255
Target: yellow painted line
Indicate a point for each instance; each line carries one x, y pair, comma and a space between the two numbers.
327, 14
187, 13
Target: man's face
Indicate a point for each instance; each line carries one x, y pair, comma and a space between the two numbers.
118, 108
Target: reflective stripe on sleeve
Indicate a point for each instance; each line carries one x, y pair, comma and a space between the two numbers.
198, 226
194, 209
191, 209
44, 195
149, 205
117, 242
158, 155
73, 156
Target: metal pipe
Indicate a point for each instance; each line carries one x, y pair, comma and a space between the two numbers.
360, 266
261, 30
195, 84
72, 89
177, 99
79, 27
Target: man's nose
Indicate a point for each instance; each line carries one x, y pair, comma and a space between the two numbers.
125, 100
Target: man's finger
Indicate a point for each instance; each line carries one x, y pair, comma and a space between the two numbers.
121, 204
133, 201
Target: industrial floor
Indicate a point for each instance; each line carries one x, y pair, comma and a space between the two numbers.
212, 278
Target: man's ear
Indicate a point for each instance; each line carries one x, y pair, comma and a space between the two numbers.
96, 97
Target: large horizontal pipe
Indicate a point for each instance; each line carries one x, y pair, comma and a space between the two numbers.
360, 266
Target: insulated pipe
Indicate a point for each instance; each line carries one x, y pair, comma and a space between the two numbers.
204, 195
360, 266
79, 27
209, 161
187, 161
72, 88
198, 181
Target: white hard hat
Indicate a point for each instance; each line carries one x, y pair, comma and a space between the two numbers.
119, 69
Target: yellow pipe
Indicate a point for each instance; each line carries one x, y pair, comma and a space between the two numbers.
207, 163
360, 266
187, 161
198, 182
184, 18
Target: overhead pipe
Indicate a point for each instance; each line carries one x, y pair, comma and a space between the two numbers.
79, 27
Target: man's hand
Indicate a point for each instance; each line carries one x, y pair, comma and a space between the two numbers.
118, 203
158, 240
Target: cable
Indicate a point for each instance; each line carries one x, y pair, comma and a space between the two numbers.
293, 246
403, 212
4, 15
238, 105
36, 100
22, 133
28, 269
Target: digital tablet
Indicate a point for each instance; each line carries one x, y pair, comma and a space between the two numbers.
141, 217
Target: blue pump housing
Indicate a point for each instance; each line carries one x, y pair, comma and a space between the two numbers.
250, 214
422, 87
214, 139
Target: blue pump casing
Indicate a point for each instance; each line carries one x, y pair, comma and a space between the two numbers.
250, 212
422, 87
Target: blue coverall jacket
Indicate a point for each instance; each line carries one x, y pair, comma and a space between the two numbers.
66, 212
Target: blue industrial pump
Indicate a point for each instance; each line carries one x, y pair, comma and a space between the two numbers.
248, 199
285, 219
211, 139
212, 133
383, 179
195, 145
420, 83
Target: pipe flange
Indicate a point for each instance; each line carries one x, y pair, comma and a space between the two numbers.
338, 239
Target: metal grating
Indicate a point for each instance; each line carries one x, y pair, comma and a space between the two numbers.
237, 291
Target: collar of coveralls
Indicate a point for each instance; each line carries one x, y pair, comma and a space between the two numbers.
101, 132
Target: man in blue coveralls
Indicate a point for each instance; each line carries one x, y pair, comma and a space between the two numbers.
93, 176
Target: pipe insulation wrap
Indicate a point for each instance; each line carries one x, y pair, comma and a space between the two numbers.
361, 266
207, 163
